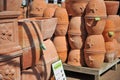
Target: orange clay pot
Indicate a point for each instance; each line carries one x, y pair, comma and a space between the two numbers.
76, 8
62, 15
94, 52
49, 12
109, 31
61, 46
74, 58
37, 8
112, 7
96, 8
48, 57
61, 29
95, 27
75, 41
110, 51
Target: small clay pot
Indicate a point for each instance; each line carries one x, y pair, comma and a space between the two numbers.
37, 8
61, 29
96, 8
109, 31
62, 15
49, 12
75, 41
74, 58
110, 51
93, 26
61, 46
75, 28
112, 7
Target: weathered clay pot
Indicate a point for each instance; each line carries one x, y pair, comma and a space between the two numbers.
76, 7
37, 8
75, 41
94, 52
96, 8
74, 58
75, 25
61, 46
62, 15
49, 12
109, 31
61, 30
112, 7
95, 27
48, 57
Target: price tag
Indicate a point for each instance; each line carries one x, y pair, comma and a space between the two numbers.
58, 70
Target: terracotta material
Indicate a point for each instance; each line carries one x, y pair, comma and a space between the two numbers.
8, 33
32, 73
10, 69
112, 7
118, 45
51, 5
75, 41
110, 51
49, 56
95, 26
61, 46
94, 52
49, 12
1, 5
96, 8
37, 8
61, 30
109, 31
74, 58
62, 15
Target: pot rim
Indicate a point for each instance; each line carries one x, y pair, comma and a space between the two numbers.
94, 51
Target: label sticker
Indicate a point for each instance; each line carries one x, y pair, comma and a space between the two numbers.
58, 70
97, 18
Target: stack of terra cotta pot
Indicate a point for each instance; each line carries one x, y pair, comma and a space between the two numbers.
76, 31
112, 7
95, 20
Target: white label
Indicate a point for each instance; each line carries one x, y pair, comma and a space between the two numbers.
55, 1
58, 70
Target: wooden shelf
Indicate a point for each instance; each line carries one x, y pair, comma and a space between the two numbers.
92, 71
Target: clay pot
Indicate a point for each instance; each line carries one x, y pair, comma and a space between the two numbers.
61, 46
37, 8
48, 57
94, 52
51, 5
74, 58
110, 51
109, 31
96, 8
62, 15
77, 8
61, 30
112, 7
75, 41
49, 12
95, 27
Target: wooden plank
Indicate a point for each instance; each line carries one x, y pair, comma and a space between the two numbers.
91, 71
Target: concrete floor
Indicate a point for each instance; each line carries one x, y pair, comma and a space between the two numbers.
109, 75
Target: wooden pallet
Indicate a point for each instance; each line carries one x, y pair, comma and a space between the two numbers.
93, 71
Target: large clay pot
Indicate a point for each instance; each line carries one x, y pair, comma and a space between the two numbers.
110, 51
76, 7
94, 52
95, 27
112, 7
37, 8
49, 12
109, 31
74, 58
61, 46
96, 8
48, 57
62, 15
75, 41
61, 29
